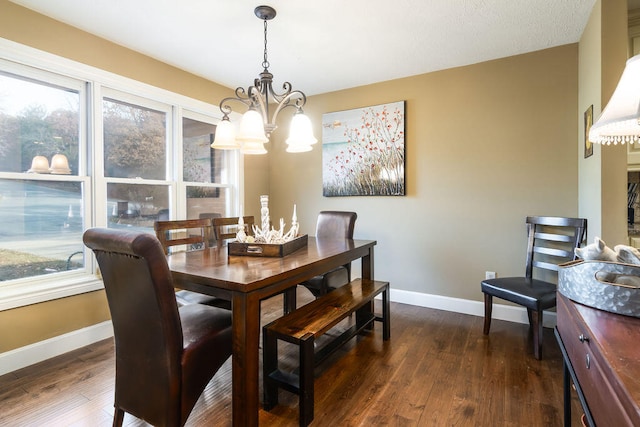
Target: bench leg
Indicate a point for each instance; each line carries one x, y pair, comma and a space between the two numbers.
363, 313
306, 380
386, 315
269, 365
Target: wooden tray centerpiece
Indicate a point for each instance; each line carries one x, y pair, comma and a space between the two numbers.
267, 241
268, 249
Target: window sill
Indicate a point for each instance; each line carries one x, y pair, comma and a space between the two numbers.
24, 293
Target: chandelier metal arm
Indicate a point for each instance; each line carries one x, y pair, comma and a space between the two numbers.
257, 97
241, 96
284, 101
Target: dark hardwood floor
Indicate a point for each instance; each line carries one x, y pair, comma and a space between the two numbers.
437, 370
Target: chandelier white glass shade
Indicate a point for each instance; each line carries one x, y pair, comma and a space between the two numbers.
300, 134
256, 124
225, 138
618, 122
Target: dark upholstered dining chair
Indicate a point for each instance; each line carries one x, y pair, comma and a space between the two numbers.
211, 216
336, 225
550, 242
165, 355
227, 227
189, 233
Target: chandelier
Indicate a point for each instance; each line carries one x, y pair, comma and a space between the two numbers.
256, 126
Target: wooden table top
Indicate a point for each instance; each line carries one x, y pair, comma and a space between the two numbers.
214, 267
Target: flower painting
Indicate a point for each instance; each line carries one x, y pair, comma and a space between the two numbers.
363, 151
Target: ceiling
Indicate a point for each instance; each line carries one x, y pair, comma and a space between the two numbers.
327, 45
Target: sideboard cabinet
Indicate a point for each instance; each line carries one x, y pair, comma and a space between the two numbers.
601, 352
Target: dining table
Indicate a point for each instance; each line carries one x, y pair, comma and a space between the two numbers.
246, 280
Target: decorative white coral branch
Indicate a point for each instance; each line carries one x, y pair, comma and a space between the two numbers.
263, 234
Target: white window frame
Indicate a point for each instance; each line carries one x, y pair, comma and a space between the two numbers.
21, 292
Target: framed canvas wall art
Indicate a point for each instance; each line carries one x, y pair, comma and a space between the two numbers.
363, 151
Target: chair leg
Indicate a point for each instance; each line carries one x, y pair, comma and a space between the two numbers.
118, 417
289, 300
536, 317
488, 306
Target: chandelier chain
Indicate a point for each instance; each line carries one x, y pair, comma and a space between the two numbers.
265, 62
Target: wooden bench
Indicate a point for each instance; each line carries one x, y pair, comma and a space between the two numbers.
309, 322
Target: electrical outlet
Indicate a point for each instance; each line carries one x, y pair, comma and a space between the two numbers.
489, 274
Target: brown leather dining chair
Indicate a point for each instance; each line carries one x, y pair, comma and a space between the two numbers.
337, 225
188, 233
165, 354
550, 242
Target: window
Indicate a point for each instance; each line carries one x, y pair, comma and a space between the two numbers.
80, 148
41, 228
135, 141
42, 211
135, 161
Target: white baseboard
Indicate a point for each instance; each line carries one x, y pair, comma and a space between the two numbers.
475, 308
43, 350
34, 353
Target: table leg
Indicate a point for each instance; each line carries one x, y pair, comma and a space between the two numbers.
367, 265
245, 359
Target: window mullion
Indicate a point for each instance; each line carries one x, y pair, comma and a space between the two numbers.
99, 202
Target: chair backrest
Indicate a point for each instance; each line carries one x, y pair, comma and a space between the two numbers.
146, 324
552, 241
226, 228
212, 234
183, 232
337, 224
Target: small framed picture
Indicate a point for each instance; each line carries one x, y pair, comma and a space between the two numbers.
588, 121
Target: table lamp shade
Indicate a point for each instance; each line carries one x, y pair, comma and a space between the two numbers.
618, 122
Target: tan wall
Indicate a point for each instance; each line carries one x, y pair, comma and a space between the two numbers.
256, 182
27, 325
486, 145
590, 169
38, 322
602, 177
614, 48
